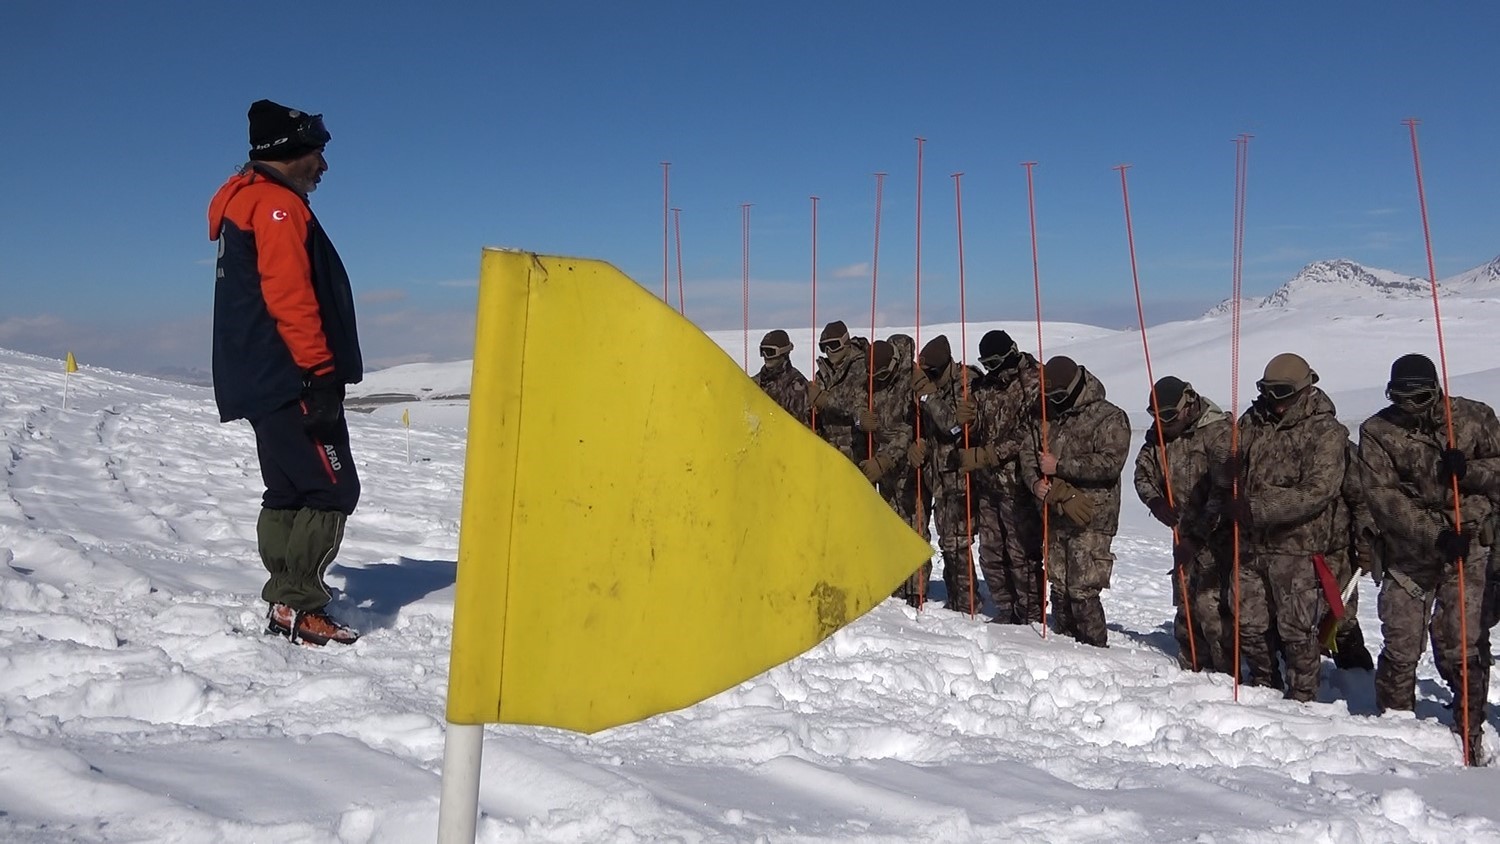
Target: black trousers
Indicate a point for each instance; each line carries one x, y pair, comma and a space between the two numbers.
301, 471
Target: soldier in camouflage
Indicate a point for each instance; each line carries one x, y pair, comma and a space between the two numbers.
1001, 403
941, 384
1072, 465
1196, 433
783, 382
885, 423
1410, 470
1291, 465
913, 492
840, 387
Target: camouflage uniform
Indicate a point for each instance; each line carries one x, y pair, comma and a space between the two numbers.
786, 385
1006, 514
953, 498
1412, 504
913, 495
844, 385
1193, 456
1293, 472
894, 409
1091, 442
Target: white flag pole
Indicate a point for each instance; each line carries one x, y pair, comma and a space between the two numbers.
458, 809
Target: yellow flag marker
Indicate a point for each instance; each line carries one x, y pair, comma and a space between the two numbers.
71, 365
406, 418
642, 526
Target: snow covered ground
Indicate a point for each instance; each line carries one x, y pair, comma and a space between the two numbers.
139, 701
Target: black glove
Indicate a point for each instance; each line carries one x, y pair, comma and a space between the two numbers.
322, 403
1454, 544
1164, 512
1452, 464
1239, 508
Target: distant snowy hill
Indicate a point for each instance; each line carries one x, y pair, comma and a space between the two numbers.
1480, 281
1343, 281
1339, 281
1333, 283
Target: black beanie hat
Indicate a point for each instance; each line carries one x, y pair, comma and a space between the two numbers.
1061, 373
937, 354
834, 330
777, 338
1169, 392
995, 343
1413, 369
279, 133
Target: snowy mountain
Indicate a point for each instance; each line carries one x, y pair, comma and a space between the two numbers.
1340, 282
1480, 281
139, 701
1337, 282
1327, 282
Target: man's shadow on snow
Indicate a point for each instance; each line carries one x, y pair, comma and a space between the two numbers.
377, 592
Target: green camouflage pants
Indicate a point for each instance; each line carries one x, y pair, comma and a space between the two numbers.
1212, 630
1421, 601
1010, 551
1079, 567
901, 495
954, 510
1281, 589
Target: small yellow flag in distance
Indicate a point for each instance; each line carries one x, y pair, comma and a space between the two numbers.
406, 418
642, 526
71, 365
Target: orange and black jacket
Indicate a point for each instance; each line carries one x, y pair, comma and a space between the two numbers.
283, 308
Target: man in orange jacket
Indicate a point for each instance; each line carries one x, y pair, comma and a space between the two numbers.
285, 345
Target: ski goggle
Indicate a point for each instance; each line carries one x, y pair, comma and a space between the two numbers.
311, 131
934, 373
832, 345
1415, 394
1002, 361
773, 351
1168, 415
1276, 390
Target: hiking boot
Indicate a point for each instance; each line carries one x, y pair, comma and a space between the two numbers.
280, 619
318, 628
1353, 654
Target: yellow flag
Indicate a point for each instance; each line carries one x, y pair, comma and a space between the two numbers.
71, 365
405, 418
642, 526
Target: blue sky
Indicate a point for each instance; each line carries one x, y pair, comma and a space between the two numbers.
463, 125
